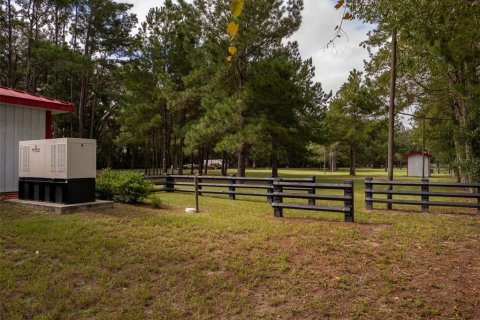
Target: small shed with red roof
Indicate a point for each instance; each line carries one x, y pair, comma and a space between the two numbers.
415, 161
23, 116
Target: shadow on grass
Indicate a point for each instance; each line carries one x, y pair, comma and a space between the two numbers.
340, 221
410, 211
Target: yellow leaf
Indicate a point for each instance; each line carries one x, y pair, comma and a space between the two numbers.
232, 29
348, 16
339, 4
229, 59
236, 7
232, 50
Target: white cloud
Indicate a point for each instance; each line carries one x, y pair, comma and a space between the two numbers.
332, 64
141, 7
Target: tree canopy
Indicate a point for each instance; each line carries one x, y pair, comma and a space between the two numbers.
222, 79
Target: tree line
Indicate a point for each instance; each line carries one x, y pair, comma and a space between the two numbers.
180, 88
432, 48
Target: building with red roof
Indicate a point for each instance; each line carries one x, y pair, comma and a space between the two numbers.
23, 116
415, 161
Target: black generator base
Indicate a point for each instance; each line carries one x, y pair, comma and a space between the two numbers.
68, 191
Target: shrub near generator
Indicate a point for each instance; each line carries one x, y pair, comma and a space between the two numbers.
57, 170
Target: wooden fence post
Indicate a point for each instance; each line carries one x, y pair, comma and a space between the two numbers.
169, 181
349, 201
270, 190
278, 189
425, 197
368, 193
312, 190
478, 201
390, 196
199, 185
195, 181
231, 196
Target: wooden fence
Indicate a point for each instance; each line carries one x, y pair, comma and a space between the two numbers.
276, 190
424, 193
346, 199
233, 185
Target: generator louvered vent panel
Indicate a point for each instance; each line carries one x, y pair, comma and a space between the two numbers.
53, 158
57, 157
61, 157
24, 159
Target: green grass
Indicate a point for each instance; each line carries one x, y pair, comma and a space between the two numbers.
234, 260
359, 186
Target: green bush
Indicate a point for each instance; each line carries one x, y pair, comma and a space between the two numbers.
470, 168
122, 186
155, 200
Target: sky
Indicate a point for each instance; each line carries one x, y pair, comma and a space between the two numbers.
332, 64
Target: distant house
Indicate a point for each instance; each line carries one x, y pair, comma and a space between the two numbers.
213, 163
414, 168
23, 116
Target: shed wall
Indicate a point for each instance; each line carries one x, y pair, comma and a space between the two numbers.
17, 123
415, 166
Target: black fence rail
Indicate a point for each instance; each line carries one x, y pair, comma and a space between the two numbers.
276, 190
424, 193
234, 186
346, 199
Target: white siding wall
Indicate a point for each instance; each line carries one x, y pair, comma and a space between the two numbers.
16, 124
415, 166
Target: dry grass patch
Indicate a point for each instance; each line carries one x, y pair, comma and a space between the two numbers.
234, 260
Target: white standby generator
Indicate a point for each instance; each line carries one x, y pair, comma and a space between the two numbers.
57, 170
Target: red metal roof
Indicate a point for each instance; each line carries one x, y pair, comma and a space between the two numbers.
22, 98
417, 152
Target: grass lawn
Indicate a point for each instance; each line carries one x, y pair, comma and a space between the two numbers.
234, 260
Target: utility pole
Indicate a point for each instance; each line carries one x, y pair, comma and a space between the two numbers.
391, 112
423, 146
391, 107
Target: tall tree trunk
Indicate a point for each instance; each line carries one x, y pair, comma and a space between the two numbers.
10, 45
206, 161
74, 47
324, 159
166, 125
55, 61
154, 153
463, 149
391, 107
165, 138
28, 80
84, 80
183, 120
180, 156
56, 25
82, 103
146, 157
200, 161
353, 152
274, 163
224, 163
333, 160
460, 155
192, 163
92, 118
242, 158
173, 153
